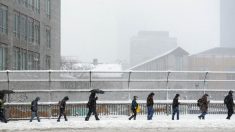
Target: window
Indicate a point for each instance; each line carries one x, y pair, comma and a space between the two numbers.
30, 30
36, 61
3, 18
23, 26
48, 37
48, 8
2, 58
25, 2
31, 4
16, 30
48, 62
37, 32
30, 61
37, 5
26, 60
17, 58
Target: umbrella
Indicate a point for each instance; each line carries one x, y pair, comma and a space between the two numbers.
3, 92
97, 91
6, 91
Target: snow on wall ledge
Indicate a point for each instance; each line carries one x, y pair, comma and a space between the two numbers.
189, 123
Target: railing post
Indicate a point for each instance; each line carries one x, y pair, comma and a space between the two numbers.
204, 84
8, 86
128, 85
90, 83
50, 109
167, 80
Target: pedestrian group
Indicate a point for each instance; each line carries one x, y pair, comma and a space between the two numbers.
202, 103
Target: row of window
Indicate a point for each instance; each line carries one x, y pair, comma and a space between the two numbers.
26, 28
32, 4
25, 60
3, 19
35, 5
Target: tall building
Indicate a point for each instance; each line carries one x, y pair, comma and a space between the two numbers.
148, 44
29, 34
227, 20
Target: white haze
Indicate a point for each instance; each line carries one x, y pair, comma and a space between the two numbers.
102, 28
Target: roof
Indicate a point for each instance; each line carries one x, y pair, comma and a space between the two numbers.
218, 51
160, 56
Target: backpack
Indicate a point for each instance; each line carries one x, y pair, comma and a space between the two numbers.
226, 100
199, 102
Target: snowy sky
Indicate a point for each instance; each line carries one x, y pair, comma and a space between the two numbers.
102, 28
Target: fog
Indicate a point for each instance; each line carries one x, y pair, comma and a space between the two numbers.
102, 29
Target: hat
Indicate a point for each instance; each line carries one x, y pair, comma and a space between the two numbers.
152, 94
206, 95
230, 92
177, 95
37, 98
66, 98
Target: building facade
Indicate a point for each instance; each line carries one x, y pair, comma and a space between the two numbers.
148, 44
227, 20
175, 59
215, 59
29, 34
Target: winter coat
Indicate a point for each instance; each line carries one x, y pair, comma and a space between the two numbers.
92, 101
150, 101
203, 104
229, 101
175, 102
62, 104
34, 106
134, 105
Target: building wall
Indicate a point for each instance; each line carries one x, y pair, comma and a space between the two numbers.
227, 20
212, 63
148, 44
32, 40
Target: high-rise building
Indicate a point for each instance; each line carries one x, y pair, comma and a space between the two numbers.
227, 20
148, 44
29, 34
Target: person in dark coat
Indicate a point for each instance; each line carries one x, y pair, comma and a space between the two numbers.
175, 106
150, 103
228, 100
203, 105
92, 106
2, 115
134, 105
62, 105
34, 109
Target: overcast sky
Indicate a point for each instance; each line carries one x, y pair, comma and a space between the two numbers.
102, 28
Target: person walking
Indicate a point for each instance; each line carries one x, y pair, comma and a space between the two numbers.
62, 105
2, 115
203, 105
134, 106
92, 106
175, 106
228, 101
34, 109
150, 103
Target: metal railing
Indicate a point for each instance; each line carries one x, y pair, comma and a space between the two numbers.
52, 85
51, 110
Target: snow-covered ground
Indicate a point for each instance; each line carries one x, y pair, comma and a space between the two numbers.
160, 123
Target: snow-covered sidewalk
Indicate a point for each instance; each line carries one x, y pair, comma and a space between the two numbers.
160, 123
